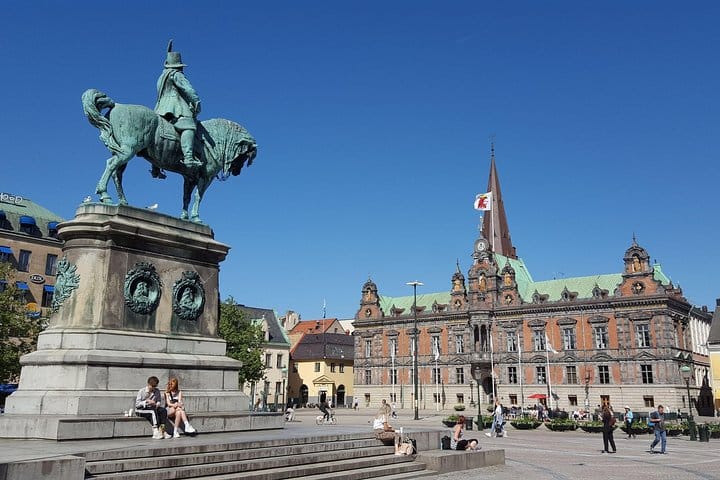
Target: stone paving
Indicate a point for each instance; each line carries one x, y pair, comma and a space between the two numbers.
530, 455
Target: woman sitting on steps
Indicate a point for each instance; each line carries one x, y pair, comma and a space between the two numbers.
176, 408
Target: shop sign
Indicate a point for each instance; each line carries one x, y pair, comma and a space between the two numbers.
36, 278
10, 198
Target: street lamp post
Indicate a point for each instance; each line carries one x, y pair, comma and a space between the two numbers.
415, 284
476, 372
686, 372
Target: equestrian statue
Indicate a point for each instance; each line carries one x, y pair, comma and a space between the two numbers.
170, 138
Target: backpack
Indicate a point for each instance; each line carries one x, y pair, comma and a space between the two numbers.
445, 443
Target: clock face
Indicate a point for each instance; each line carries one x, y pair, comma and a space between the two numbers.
480, 247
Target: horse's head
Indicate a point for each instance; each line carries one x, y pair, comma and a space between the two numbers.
233, 168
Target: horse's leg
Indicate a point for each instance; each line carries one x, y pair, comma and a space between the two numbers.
117, 178
202, 186
188, 186
101, 189
113, 163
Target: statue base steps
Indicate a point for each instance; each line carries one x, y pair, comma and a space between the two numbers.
89, 427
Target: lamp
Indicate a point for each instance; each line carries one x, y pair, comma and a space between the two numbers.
476, 372
415, 284
686, 373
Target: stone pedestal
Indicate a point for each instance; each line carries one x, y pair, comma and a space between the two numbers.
110, 333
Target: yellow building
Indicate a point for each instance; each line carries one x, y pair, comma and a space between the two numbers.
713, 344
322, 369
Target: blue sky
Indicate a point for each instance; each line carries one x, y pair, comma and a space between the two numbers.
373, 119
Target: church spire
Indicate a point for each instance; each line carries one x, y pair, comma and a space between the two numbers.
495, 225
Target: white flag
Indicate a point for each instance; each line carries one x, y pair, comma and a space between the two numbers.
437, 353
548, 345
483, 201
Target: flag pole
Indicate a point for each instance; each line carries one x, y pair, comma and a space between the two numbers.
547, 366
392, 373
437, 381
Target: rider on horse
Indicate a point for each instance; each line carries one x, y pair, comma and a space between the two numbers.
179, 104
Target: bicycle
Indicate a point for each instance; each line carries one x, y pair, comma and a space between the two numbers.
320, 419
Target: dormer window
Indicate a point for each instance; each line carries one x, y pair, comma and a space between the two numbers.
52, 229
27, 224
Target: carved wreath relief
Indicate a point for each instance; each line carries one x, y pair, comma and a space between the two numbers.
66, 281
188, 296
142, 288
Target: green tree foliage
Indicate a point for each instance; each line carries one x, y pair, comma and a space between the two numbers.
244, 341
18, 332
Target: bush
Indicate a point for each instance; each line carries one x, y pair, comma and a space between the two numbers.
561, 425
591, 427
525, 423
459, 407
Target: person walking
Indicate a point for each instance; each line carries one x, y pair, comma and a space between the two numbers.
628, 418
658, 420
608, 419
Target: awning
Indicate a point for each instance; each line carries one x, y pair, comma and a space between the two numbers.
538, 395
7, 250
27, 220
22, 285
49, 288
52, 225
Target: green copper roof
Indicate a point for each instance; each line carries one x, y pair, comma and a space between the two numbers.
526, 287
29, 208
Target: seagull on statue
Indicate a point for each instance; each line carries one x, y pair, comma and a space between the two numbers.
87, 199
154, 206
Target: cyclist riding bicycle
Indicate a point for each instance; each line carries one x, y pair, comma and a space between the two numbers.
324, 409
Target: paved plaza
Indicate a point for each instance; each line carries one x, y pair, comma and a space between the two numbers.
530, 455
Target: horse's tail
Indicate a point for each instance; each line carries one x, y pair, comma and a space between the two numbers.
93, 102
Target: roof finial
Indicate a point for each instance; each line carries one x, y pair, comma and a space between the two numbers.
492, 146
457, 262
634, 240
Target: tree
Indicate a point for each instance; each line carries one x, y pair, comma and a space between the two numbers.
18, 332
244, 341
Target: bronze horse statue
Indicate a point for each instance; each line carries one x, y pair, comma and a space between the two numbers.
129, 130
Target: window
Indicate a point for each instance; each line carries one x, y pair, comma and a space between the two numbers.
572, 400
646, 372
540, 374
512, 375
278, 391
511, 341
459, 344
460, 375
51, 265
392, 346
601, 337
332, 367
341, 368
539, 340
295, 367
368, 348
571, 373
604, 374
604, 399
649, 400
436, 375
642, 333
368, 377
47, 299
317, 367
24, 260
436, 345
393, 376
513, 399
460, 398
568, 338
279, 363
393, 397
268, 360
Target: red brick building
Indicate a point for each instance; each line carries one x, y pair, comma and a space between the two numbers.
617, 338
